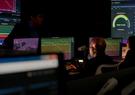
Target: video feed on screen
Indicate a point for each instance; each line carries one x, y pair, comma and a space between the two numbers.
26, 44
9, 15
113, 47
63, 45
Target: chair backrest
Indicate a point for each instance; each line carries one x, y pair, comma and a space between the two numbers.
128, 89
111, 67
108, 86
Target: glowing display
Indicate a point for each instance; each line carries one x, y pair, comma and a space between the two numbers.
121, 17
8, 5
113, 46
9, 16
58, 45
123, 20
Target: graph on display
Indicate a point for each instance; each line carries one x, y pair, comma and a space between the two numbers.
123, 20
112, 46
63, 45
9, 16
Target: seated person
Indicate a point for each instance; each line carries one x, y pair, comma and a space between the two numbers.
97, 48
28, 29
129, 60
124, 50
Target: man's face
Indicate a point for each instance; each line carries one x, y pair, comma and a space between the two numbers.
92, 49
124, 51
37, 20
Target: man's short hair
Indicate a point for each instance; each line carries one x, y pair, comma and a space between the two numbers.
100, 44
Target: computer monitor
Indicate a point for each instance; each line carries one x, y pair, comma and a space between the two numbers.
31, 75
26, 44
113, 47
122, 18
64, 45
10, 11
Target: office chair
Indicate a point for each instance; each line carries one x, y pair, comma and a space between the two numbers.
108, 86
128, 89
111, 67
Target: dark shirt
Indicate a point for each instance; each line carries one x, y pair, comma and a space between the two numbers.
129, 60
92, 65
21, 30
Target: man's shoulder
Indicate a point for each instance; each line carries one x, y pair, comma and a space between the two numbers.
109, 59
107, 56
21, 24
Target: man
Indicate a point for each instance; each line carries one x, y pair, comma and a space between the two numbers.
129, 60
97, 48
28, 29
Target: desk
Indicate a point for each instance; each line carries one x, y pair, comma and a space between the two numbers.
75, 67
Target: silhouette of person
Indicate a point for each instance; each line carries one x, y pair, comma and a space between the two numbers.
28, 29
97, 48
129, 60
